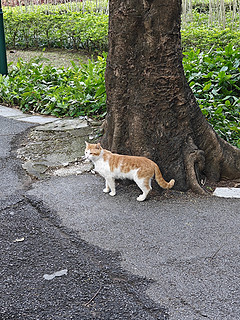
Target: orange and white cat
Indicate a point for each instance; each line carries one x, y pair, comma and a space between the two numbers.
113, 166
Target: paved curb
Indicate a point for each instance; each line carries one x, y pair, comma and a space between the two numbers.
17, 114
55, 146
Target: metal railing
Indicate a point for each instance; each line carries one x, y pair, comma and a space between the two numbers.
68, 5
3, 57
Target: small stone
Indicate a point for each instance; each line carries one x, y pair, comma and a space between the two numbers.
227, 192
65, 164
55, 274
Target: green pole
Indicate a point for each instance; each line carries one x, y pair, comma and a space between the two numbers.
3, 56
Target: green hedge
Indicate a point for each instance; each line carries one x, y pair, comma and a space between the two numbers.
198, 34
206, 39
72, 30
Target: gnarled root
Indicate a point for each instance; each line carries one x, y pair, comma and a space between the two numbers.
194, 160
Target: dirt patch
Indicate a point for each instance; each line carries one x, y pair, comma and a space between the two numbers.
55, 57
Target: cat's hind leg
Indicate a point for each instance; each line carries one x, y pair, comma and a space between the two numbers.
145, 186
110, 182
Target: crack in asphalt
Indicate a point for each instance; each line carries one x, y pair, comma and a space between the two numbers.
12, 206
53, 220
125, 281
132, 286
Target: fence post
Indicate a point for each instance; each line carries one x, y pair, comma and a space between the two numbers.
3, 56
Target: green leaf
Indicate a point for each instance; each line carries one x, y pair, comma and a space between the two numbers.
207, 86
100, 91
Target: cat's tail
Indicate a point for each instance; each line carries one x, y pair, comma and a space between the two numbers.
159, 178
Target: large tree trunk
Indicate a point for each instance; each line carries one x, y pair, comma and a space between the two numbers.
151, 109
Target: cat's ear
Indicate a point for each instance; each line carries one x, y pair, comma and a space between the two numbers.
98, 146
86, 143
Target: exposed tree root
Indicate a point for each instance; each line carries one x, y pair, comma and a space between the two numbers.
230, 162
194, 160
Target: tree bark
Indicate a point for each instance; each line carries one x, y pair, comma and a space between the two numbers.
151, 110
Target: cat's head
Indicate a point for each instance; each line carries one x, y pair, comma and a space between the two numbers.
92, 151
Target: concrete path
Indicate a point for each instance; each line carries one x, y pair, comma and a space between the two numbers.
185, 248
188, 246
46, 270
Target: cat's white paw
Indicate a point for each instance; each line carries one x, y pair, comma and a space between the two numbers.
112, 193
106, 190
141, 198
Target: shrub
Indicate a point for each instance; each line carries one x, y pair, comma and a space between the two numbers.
80, 90
71, 92
205, 39
215, 80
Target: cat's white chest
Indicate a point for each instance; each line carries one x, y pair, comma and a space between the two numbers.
102, 167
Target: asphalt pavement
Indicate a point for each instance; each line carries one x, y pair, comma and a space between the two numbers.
69, 251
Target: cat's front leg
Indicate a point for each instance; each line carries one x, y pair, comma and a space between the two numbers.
106, 189
111, 184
